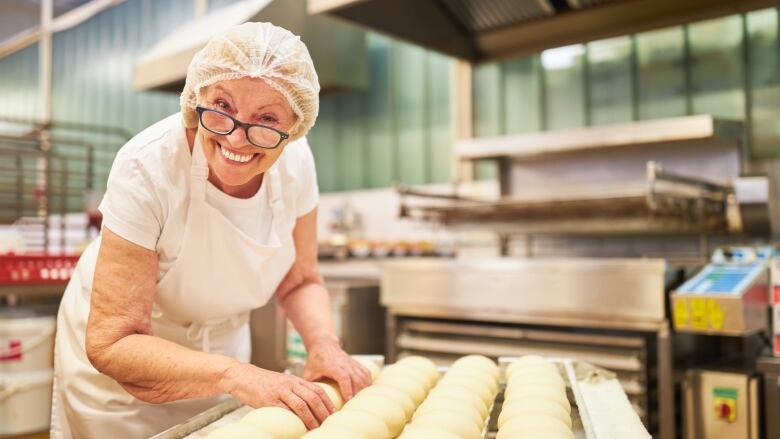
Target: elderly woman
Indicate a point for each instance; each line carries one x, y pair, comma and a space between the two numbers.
207, 215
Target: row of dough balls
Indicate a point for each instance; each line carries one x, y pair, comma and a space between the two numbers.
535, 403
381, 411
280, 423
459, 406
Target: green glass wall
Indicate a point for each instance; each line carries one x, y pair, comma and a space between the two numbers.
19, 96
727, 67
397, 130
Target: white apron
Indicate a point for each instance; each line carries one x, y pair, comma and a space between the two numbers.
202, 302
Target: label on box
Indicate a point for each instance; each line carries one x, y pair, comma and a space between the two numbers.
13, 352
681, 314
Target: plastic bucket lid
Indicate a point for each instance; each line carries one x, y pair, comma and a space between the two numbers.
14, 383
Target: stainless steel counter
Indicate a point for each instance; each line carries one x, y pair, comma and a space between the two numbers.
366, 270
608, 311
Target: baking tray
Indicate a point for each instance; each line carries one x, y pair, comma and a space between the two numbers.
600, 407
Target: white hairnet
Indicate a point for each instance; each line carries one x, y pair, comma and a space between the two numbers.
257, 50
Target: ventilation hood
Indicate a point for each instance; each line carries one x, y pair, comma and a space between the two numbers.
491, 30
340, 59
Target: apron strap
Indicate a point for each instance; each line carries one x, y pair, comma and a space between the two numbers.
201, 331
275, 195
199, 171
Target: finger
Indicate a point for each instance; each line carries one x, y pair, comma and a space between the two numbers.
300, 408
315, 403
309, 375
365, 376
322, 395
345, 385
361, 379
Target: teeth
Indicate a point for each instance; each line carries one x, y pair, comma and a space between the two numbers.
235, 157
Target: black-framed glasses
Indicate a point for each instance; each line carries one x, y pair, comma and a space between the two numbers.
258, 135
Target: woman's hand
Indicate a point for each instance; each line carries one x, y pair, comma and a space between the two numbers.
258, 387
328, 360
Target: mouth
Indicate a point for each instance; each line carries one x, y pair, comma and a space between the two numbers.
235, 158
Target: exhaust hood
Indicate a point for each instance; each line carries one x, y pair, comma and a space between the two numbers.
340, 59
491, 30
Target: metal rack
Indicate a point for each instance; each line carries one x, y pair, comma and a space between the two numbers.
668, 203
51, 168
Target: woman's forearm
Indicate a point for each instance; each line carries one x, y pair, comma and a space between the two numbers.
155, 370
309, 309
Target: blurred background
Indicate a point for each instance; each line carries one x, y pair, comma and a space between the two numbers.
573, 178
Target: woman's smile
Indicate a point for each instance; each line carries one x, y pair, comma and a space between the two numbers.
236, 158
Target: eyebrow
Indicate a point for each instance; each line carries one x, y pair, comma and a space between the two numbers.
218, 87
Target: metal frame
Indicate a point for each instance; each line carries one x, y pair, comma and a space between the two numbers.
659, 330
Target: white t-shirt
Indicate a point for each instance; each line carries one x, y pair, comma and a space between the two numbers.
148, 191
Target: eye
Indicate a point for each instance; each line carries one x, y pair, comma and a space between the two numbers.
222, 105
267, 119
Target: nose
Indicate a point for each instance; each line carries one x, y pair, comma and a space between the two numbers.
237, 138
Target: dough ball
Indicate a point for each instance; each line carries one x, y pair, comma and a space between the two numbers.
332, 432
239, 430
474, 385
385, 409
534, 392
409, 371
530, 376
452, 422
483, 377
421, 363
462, 394
372, 366
394, 394
413, 389
334, 394
535, 406
420, 432
367, 424
530, 361
534, 422
477, 362
516, 385
452, 406
532, 434
276, 421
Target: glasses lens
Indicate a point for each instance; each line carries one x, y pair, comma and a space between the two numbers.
265, 137
216, 122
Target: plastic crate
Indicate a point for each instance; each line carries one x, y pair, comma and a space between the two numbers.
36, 269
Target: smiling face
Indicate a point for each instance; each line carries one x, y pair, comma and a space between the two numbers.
236, 166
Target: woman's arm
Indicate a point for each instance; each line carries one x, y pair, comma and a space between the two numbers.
120, 344
305, 300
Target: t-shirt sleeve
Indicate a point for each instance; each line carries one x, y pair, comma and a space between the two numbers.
308, 191
130, 206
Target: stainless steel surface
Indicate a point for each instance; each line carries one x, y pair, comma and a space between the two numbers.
752, 196
769, 367
665, 383
340, 59
444, 341
703, 392
365, 271
490, 30
603, 181
199, 421
700, 129
543, 288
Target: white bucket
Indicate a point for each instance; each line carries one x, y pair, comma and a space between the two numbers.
26, 341
25, 402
